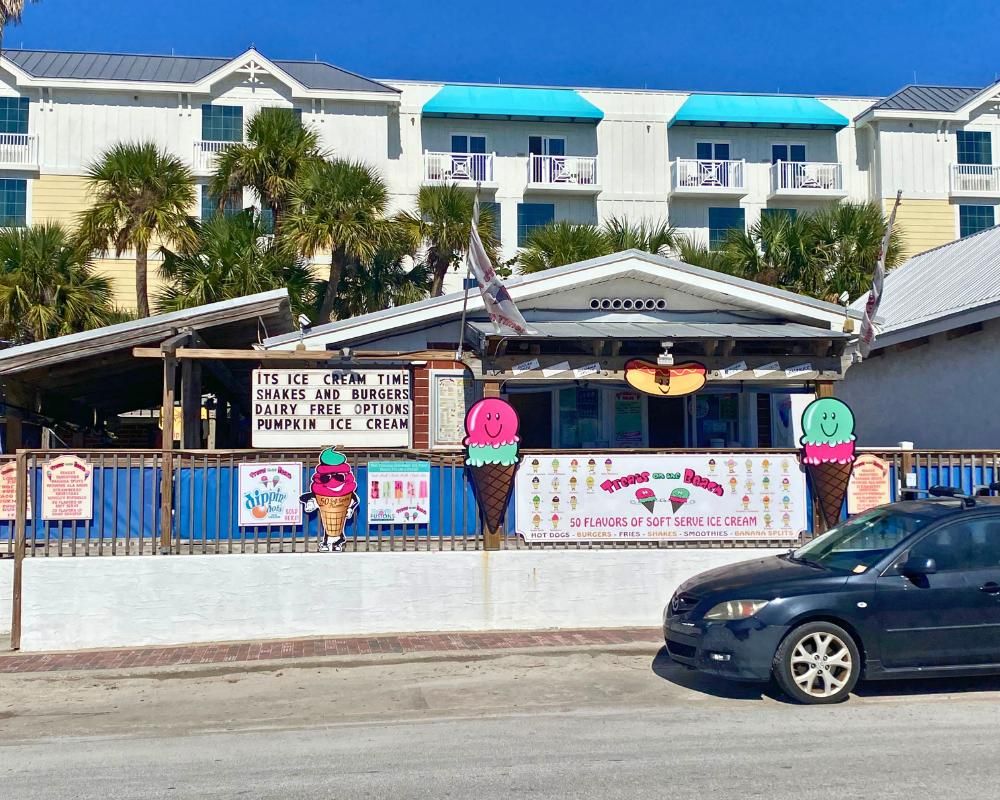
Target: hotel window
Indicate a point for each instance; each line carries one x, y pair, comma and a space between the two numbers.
712, 151
221, 123
974, 147
495, 208
13, 203
721, 221
531, 216
464, 143
210, 205
972, 219
469, 160
791, 213
788, 152
14, 114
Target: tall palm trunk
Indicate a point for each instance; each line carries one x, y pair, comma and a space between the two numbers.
141, 287
439, 266
338, 261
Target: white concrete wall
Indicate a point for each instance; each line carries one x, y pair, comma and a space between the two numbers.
156, 600
938, 395
6, 593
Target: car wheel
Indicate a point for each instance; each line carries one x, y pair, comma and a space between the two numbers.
818, 662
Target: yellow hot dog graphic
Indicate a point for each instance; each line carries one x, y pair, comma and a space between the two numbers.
663, 381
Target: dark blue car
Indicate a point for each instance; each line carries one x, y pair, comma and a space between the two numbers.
906, 590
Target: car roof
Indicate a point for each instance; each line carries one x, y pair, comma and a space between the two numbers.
943, 506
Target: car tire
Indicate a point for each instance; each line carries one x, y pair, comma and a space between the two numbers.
817, 663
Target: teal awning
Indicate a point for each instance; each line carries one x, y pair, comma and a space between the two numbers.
758, 111
508, 102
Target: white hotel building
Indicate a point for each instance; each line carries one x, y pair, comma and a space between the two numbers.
706, 162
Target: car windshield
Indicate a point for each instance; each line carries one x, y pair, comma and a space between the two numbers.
859, 543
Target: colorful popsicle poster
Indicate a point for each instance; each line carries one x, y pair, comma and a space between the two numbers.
399, 492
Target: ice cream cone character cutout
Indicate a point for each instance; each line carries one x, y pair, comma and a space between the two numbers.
333, 493
492, 457
828, 453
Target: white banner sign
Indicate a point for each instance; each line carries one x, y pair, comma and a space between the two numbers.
68, 489
399, 492
580, 497
320, 407
269, 494
8, 492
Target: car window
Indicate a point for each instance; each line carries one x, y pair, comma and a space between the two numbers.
860, 542
965, 545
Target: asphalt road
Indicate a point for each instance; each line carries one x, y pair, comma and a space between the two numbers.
598, 725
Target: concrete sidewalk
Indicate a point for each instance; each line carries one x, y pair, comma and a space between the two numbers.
285, 649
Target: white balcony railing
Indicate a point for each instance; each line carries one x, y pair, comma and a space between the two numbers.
806, 177
975, 179
18, 149
205, 153
563, 170
458, 167
693, 174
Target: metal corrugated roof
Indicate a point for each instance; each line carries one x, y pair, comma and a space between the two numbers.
942, 282
176, 69
509, 102
665, 329
929, 98
758, 111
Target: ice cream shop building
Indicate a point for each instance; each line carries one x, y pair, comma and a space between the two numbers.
614, 349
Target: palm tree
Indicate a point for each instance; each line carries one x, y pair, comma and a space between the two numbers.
443, 223
10, 13
390, 278
338, 206
847, 239
698, 254
277, 149
779, 250
140, 194
48, 286
659, 237
560, 243
233, 258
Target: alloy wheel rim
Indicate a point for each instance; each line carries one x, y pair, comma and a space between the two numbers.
821, 664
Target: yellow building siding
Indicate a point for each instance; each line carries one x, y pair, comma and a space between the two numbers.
58, 198
122, 274
923, 224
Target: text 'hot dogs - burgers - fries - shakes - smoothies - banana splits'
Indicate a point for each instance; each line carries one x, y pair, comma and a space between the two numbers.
660, 497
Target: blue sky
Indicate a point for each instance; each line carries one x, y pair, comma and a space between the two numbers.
845, 47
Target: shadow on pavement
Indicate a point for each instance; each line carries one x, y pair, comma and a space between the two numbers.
922, 686
672, 672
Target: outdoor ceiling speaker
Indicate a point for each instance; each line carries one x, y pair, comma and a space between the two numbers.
661, 305
616, 304
595, 303
627, 304
606, 303
650, 304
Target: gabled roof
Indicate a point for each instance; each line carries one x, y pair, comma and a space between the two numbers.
132, 68
929, 98
671, 272
511, 102
764, 111
950, 286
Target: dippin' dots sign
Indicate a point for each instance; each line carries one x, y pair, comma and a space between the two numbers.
310, 407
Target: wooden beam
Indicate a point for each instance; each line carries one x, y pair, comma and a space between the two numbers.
323, 356
20, 527
191, 404
166, 471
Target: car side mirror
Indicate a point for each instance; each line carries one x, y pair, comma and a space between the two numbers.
918, 567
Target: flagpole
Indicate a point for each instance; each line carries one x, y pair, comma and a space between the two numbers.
468, 274
868, 332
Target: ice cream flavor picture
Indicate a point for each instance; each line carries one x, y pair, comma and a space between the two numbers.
333, 492
828, 453
646, 498
678, 497
492, 457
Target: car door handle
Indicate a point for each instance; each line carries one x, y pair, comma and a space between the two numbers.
990, 588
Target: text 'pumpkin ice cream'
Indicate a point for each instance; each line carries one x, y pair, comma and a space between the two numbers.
491, 454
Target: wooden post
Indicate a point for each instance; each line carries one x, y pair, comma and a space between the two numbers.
824, 388
167, 466
20, 545
190, 405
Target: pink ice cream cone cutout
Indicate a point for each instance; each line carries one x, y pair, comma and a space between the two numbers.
646, 498
492, 457
828, 453
333, 493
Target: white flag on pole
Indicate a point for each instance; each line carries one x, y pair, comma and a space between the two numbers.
498, 302
875, 295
